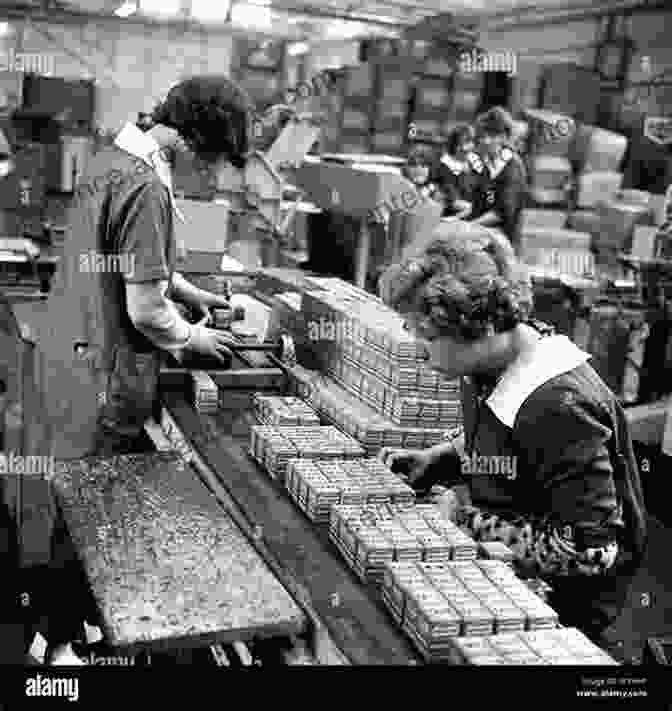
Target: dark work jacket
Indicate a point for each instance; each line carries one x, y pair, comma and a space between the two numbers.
456, 182
569, 470
504, 194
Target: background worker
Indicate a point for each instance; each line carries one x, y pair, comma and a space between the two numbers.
458, 171
500, 194
574, 512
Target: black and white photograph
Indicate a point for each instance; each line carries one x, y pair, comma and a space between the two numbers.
335, 333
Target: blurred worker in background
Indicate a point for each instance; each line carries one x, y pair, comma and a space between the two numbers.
458, 171
500, 195
419, 170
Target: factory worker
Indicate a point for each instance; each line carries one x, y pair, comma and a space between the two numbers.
500, 194
112, 302
546, 455
418, 169
112, 308
458, 171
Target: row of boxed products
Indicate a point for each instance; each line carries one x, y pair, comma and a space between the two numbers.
283, 411
349, 413
367, 322
437, 603
559, 647
420, 401
370, 537
318, 485
274, 447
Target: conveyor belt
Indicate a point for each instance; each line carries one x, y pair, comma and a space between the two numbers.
351, 613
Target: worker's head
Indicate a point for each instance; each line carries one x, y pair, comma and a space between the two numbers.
211, 116
419, 164
465, 295
461, 141
494, 130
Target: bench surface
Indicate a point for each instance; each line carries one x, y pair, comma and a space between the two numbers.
166, 564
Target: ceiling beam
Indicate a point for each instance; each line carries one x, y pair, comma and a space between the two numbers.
535, 15
70, 16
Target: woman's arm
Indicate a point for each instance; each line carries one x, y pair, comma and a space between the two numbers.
488, 219
566, 446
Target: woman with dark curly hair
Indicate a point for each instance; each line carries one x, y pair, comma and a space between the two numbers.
571, 506
458, 171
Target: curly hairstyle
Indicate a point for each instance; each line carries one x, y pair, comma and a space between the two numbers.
496, 121
212, 114
464, 282
459, 135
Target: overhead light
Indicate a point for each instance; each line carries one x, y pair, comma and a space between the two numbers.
127, 9
297, 49
5, 29
207, 10
248, 14
165, 8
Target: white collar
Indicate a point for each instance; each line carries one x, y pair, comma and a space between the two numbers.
143, 146
455, 166
551, 356
498, 166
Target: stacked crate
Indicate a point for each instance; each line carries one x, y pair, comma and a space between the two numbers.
467, 91
391, 110
550, 171
431, 102
359, 85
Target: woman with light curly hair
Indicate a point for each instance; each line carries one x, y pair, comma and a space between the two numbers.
569, 504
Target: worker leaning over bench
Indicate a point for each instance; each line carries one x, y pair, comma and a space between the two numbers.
102, 357
570, 504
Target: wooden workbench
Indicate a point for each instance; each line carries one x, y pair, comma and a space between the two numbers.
167, 567
349, 615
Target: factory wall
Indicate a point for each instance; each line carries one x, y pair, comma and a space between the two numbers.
133, 64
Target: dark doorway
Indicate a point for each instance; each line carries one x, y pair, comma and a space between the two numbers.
497, 90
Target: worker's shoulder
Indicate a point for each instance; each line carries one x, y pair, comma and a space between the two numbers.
118, 166
579, 390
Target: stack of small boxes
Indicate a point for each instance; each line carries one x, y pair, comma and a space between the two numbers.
284, 411
316, 486
566, 647
377, 380
402, 533
436, 603
373, 430
274, 447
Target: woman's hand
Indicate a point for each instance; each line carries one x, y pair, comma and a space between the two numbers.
410, 464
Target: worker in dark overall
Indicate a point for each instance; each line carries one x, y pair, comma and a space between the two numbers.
112, 309
545, 459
